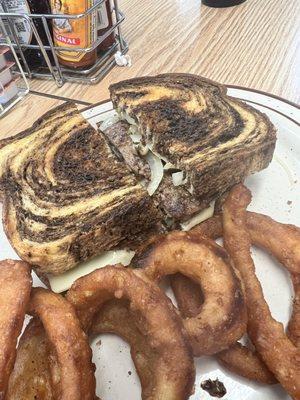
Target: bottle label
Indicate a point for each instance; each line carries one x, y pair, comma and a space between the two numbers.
22, 27
73, 33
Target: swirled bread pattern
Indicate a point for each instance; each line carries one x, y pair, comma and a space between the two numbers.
190, 121
66, 195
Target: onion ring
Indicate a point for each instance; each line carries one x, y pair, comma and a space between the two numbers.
15, 286
237, 358
267, 335
222, 318
268, 234
115, 317
155, 318
31, 375
72, 371
31, 378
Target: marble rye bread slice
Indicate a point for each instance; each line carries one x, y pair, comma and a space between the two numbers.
66, 195
190, 122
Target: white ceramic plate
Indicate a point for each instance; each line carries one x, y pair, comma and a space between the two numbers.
276, 191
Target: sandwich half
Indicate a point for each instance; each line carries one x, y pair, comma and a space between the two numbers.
207, 141
67, 196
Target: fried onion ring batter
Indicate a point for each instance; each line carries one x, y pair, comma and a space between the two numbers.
15, 286
240, 360
293, 329
277, 351
222, 318
31, 378
280, 240
72, 371
154, 316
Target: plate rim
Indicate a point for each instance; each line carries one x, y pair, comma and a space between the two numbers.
229, 86
274, 96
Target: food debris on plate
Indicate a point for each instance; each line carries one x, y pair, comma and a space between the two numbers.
214, 387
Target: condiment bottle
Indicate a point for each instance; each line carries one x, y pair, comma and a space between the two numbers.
34, 57
104, 23
72, 33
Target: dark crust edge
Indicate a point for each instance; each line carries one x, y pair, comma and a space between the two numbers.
171, 75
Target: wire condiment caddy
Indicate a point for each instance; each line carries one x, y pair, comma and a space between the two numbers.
52, 68
12, 88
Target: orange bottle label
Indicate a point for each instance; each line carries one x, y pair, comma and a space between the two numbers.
73, 33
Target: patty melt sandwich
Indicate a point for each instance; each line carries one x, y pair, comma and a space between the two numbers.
71, 192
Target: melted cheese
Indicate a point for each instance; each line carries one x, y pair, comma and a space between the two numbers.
63, 282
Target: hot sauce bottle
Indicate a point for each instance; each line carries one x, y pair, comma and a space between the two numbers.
72, 33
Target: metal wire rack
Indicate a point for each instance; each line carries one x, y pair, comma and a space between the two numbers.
12, 89
52, 68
